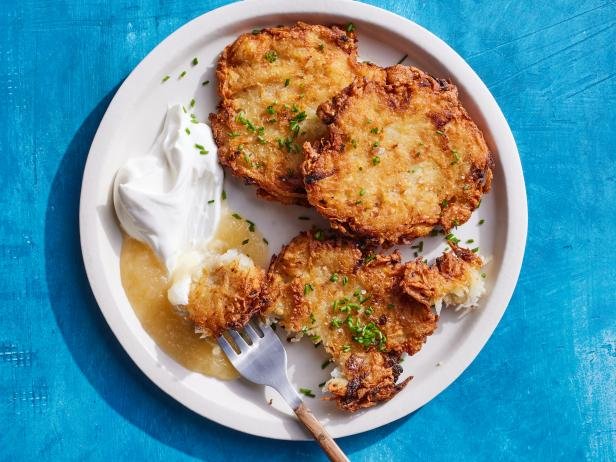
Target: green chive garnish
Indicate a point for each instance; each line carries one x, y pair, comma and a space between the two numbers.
271, 56
307, 392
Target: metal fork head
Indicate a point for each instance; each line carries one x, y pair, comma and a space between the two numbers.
262, 359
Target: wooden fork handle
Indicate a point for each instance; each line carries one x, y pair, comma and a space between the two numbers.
315, 427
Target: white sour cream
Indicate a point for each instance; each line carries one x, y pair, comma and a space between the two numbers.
162, 198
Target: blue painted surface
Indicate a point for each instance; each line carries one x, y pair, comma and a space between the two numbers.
544, 388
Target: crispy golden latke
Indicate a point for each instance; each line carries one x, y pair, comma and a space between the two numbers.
401, 157
225, 296
355, 303
270, 84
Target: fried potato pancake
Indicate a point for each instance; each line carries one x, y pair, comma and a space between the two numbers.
401, 157
360, 307
270, 84
225, 294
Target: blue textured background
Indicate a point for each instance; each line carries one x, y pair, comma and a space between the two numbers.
544, 388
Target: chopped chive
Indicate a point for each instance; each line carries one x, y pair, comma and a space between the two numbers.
318, 235
165, 78
270, 109
376, 144
205, 83
444, 203
195, 61
287, 82
369, 258
233, 134
223, 195
325, 363
346, 348
482, 221
265, 241
237, 216
187, 130
295, 121
271, 56
362, 192
199, 147
354, 143
434, 232
308, 288
376, 160
211, 201
245, 241
402, 59
184, 109
336, 323
390, 306
334, 277
440, 132
374, 130
251, 226
456, 157
350, 27
452, 238
345, 280
192, 102
483, 275
321, 47
182, 74
301, 217
256, 31
204, 152
307, 392
470, 241
322, 384
475, 250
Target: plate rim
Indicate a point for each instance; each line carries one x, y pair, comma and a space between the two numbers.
513, 252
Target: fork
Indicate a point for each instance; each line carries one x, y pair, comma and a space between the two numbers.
263, 361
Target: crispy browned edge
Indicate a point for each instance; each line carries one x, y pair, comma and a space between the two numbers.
346, 40
396, 76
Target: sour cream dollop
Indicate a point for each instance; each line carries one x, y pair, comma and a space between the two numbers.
164, 198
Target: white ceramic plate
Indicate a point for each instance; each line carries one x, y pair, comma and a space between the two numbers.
130, 126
